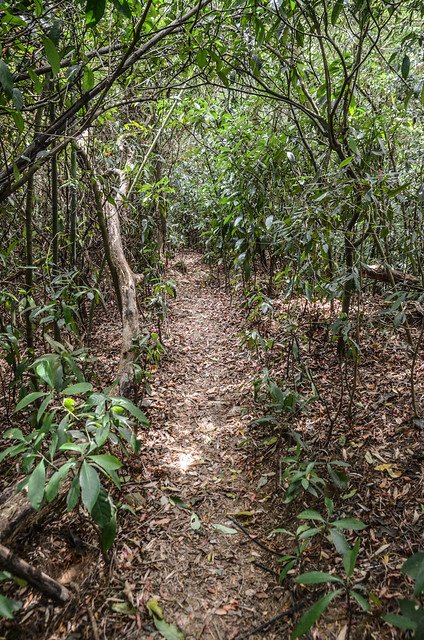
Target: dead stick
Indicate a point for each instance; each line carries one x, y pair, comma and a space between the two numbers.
265, 626
35, 577
252, 539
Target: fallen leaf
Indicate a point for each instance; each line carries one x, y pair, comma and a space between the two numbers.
223, 529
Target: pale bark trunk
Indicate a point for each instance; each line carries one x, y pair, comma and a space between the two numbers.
128, 288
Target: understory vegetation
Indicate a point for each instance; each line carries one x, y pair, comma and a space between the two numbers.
282, 141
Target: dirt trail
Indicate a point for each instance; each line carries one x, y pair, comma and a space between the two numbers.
205, 580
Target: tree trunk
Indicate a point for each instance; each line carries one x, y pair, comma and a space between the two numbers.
128, 290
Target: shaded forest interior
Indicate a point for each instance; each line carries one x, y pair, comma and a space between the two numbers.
211, 320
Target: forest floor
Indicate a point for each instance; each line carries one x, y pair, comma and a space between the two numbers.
204, 494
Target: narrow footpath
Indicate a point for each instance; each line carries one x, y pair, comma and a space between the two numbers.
198, 474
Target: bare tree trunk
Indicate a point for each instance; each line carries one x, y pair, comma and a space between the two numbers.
128, 288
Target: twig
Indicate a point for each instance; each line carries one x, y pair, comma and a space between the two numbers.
265, 626
257, 542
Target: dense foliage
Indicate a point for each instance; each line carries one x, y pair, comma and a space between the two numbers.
283, 139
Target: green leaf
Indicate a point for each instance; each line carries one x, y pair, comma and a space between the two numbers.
310, 514
317, 577
56, 480
43, 407
8, 607
313, 613
350, 557
349, 523
406, 66
166, 630
38, 84
414, 567
346, 161
31, 397
106, 461
131, 408
87, 80
73, 494
90, 485
77, 389
122, 7
19, 121
364, 604
52, 54
94, 10
6, 79
17, 99
399, 621
108, 534
177, 502
339, 541
102, 510
36, 484
338, 6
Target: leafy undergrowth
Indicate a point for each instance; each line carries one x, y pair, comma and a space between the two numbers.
321, 481
342, 439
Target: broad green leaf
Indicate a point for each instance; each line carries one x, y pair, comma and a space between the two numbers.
166, 630
414, 567
317, 577
310, 514
19, 121
52, 54
106, 461
338, 6
56, 480
8, 607
284, 571
43, 407
177, 502
36, 484
17, 99
350, 557
122, 7
14, 433
131, 408
29, 399
102, 510
13, 451
339, 541
313, 613
77, 389
108, 534
73, 494
364, 604
6, 79
90, 485
399, 621
94, 10
346, 161
349, 523
72, 446
406, 65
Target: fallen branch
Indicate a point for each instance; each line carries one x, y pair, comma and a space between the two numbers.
35, 577
252, 539
387, 274
266, 626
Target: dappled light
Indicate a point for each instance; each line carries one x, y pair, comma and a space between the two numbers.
211, 320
